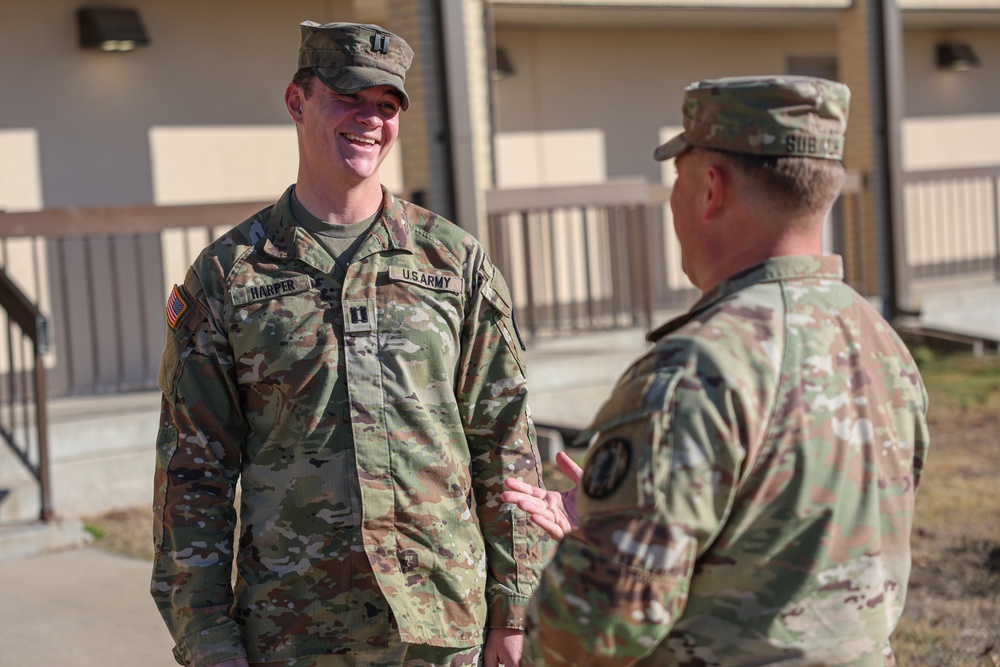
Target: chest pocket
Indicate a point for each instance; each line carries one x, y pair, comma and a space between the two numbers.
285, 354
277, 321
413, 303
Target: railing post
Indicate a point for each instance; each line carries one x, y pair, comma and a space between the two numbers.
642, 249
996, 226
529, 273
41, 417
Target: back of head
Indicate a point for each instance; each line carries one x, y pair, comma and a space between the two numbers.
785, 134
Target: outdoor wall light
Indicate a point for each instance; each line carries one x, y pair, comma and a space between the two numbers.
956, 56
502, 65
110, 29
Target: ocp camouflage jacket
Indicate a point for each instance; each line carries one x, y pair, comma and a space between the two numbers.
370, 418
749, 495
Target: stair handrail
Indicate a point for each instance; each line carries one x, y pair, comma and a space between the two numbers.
33, 324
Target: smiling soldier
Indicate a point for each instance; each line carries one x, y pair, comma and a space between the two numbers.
349, 360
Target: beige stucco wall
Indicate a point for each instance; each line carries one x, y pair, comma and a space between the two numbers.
952, 118
570, 113
621, 86
210, 65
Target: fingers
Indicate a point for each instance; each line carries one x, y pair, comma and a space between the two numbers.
569, 467
544, 507
523, 487
527, 502
522, 494
553, 528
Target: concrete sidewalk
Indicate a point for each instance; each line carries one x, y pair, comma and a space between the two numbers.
82, 608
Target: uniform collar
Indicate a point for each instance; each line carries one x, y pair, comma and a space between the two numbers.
391, 232
287, 240
775, 269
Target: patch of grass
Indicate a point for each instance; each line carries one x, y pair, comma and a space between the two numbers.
917, 640
95, 531
128, 532
962, 383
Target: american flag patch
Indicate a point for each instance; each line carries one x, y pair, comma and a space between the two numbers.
176, 306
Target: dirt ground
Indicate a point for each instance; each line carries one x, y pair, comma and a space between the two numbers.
952, 614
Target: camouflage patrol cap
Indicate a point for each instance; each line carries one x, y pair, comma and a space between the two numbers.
794, 116
349, 57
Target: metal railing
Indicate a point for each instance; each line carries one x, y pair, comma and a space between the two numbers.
577, 258
103, 274
953, 221
23, 420
585, 257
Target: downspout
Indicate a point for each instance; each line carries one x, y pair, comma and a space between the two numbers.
898, 277
461, 144
447, 85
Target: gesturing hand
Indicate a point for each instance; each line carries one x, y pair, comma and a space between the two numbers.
554, 511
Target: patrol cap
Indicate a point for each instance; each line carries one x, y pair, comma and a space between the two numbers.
790, 116
349, 57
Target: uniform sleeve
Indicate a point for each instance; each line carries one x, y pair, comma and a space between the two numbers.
657, 483
493, 397
200, 436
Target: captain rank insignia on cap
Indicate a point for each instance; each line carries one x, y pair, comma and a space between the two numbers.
380, 43
606, 468
177, 306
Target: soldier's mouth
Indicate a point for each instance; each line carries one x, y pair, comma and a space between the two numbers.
359, 139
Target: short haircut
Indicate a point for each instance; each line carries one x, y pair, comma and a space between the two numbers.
800, 185
304, 79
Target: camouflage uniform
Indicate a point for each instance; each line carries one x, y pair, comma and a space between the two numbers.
369, 416
749, 494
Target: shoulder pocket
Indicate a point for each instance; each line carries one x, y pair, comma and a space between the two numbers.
496, 292
636, 395
184, 314
627, 435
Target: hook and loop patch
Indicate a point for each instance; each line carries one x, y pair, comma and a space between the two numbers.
607, 467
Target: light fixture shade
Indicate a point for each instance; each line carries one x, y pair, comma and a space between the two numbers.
111, 29
502, 66
956, 56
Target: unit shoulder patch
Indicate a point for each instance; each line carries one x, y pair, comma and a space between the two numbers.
436, 281
606, 468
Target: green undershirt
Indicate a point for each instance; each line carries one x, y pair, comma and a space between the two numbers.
341, 241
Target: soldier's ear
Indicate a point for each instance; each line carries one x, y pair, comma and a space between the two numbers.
294, 101
716, 191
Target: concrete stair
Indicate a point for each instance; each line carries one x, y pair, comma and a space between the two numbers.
101, 457
19, 495
961, 305
22, 533
25, 540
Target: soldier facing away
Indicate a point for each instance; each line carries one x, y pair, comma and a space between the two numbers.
749, 493
350, 360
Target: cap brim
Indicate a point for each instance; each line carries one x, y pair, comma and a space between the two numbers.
348, 80
672, 148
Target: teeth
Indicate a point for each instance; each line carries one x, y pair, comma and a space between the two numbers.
364, 140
